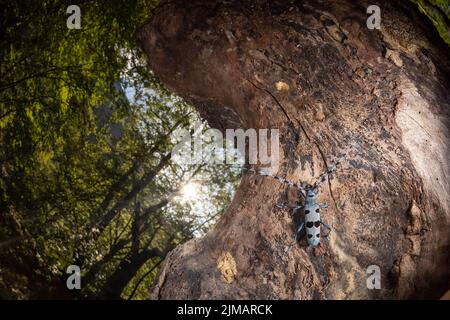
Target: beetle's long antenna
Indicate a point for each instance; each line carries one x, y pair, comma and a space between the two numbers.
324, 176
301, 186
333, 168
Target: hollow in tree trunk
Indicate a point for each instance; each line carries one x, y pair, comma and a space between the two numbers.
332, 86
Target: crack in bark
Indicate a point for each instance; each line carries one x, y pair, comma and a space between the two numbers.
417, 122
329, 182
280, 105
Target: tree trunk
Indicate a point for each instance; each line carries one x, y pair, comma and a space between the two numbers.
332, 86
126, 270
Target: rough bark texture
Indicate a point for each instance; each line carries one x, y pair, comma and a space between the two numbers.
315, 71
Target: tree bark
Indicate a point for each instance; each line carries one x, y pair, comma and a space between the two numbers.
315, 71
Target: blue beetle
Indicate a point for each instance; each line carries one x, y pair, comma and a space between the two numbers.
312, 222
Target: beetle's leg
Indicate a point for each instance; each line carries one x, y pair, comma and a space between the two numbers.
303, 194
284, 205
299, 230
323, 205
326, 226
281, 205
296, 207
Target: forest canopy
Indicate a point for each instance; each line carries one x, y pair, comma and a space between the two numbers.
86, 133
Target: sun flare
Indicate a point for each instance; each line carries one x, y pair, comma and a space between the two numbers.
190, 191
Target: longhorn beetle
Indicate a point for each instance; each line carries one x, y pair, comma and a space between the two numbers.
311, 225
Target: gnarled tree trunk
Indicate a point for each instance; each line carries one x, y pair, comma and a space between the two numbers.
315, 71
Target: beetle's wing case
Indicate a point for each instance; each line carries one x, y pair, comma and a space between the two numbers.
312, 224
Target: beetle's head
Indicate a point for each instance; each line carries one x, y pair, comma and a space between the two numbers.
311, 196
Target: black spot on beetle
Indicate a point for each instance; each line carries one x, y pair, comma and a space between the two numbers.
309, 224
318, 235
317, 224
309, 235
306, 211
317, 210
